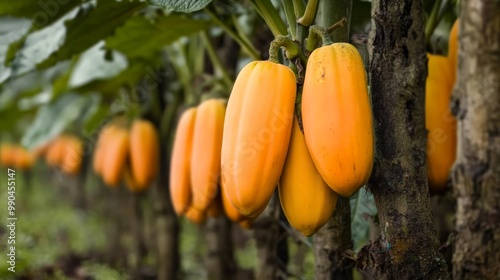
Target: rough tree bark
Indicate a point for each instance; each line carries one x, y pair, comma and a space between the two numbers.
267, 238
408, 247
220, 263
476, 175
333, 239
166, 223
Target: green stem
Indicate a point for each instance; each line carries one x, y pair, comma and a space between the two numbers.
292, 48
299, 8
308, 18
315, 34
216, 61
290, 18
432, 22
248, 48
336, 16
272, 17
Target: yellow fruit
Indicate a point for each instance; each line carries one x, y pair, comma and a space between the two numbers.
257, 129
196, 216
116, 156
215, 208
439, 121
180, 164
206, 152
337, 117
71, 161
306, 199
7, 155
100, 149
246, 224
232, 213
453, 48
144, 152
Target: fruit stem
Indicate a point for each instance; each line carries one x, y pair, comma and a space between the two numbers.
315, 34
308, 18
292, 49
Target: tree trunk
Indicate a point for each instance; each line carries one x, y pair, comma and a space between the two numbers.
408, 247
476, 175
333, 239
220, 263
267, 238
331, 242
167, 225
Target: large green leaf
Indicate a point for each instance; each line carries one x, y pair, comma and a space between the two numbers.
183, 6
30, 84
11, 29
127, 78
54, 118
75, 32
93, 64
41, 13
143, 38
362, 210
40, 44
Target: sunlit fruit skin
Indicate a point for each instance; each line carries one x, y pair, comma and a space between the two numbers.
144, 152
257, 129
453, 47
130, 181
180, 164
439, 121
206, 152
116, 156
100, 149
24, 159
232, 213
55, 152
337, 117
306, 199
71, 161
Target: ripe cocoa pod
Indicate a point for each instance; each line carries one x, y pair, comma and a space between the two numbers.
130, 181
180, 164
71, 161
100, 149
246, 224
439, 121
116, 156
196, 216
306, 199
215, 208
337, 117
55, 151
232, 213
206, 152
453, 48
257, 129
144, 152
7, 155
24, 160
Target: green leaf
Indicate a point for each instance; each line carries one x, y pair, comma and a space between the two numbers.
143, 38
30, 84
75, 32
127, 78
40, 44
362, 209
41, 13
93, 65
86, 30
52, 119
11, 30
183, 6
